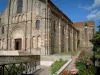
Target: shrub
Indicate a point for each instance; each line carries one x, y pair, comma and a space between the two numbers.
12, 70
83, 65
57, 65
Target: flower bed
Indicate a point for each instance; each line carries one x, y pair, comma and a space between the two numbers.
84, 64
56, 66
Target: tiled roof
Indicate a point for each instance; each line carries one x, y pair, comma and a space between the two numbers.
82, 24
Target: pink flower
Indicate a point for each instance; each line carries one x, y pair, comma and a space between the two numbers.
73, 65
74, 71
73, 58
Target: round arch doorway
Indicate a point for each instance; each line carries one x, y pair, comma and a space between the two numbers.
18, 44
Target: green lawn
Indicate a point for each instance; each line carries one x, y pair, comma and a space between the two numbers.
67, 53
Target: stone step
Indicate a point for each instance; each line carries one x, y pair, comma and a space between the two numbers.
13, 52
48, 60
55, 57
23, 53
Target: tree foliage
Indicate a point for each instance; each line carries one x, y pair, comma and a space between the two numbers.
96, 38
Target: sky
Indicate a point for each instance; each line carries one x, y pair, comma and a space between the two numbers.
80, 10
76, 10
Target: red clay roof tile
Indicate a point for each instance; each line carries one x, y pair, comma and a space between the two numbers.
82, 24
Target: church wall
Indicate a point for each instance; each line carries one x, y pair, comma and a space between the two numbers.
64, 35
85, 36
55, 35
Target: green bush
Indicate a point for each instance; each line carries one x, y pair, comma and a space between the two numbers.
81, 66
57, 65
12, 69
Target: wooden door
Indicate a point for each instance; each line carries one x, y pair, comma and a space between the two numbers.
18, 44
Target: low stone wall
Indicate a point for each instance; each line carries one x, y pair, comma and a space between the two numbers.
19, 59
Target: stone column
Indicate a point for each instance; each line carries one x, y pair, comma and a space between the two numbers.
13, 44
59, 36
72, 39
69, 38
23, 43
10, 43
74, 35
76, 40
0, 44
48, 32
66, 38
28, 37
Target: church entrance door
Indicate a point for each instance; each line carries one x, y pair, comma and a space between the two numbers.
18, 44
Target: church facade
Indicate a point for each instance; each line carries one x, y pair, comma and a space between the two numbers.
37, 27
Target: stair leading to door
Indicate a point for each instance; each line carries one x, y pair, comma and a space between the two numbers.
23, 53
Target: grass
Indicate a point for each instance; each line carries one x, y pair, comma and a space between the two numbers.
67, 53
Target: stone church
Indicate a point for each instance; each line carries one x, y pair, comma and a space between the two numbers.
39, 27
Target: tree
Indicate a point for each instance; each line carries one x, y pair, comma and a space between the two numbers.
96, 39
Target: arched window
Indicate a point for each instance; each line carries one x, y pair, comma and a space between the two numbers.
20, 18
37, 24
34, 42
19, 6
39, 41
54, 26
3, 30
0, 20
0, 43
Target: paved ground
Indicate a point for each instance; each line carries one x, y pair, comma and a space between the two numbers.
45, 70
72, 64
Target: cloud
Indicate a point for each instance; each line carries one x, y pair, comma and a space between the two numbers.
87, 7
84, 7
94, 10
94, 5
94, 15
